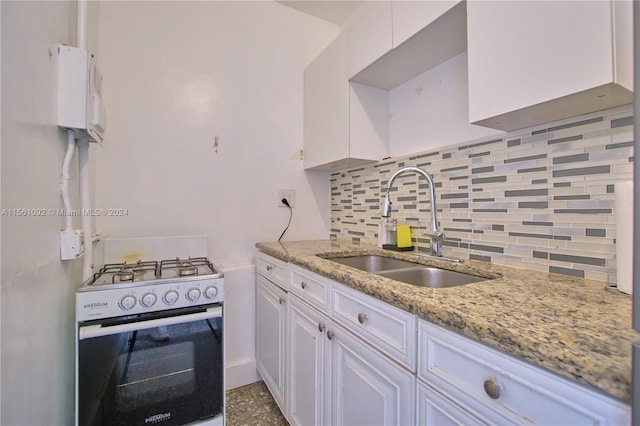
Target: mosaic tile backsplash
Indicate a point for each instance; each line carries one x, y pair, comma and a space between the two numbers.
540, 198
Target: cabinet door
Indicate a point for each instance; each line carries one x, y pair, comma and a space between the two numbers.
271, 322
526, 54
326, 106
369, 35
411, 16
308, 369
368, 388
433, 409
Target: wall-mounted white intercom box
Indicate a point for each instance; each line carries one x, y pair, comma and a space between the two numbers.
80, 93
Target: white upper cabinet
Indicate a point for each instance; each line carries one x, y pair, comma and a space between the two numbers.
410, 17
326, 106
532, 62
369, 35
344, 124
422, 35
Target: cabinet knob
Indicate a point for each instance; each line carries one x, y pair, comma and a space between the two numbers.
281, 300
321, 327
269, 268
362, 318
329, 334
492, 389
303, 285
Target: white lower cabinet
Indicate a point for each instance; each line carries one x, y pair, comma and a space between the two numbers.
497, 387
437, 410
271, 327
333, 356
367, 388
335, 378
307, 389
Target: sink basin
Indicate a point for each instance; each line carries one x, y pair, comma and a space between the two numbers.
408, 272
425, 276
373, 263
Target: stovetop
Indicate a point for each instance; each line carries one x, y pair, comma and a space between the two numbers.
149, 286
148, 271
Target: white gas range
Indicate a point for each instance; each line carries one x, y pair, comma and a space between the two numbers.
150, 336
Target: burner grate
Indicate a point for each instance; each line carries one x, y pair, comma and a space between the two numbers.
127, 272
186, 267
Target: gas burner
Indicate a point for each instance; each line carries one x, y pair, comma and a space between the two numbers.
186, 267
185, 271
124, 275
114, 273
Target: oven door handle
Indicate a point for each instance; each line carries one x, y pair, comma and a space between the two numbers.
90, 331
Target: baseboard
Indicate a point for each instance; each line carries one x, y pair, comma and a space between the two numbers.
241, 373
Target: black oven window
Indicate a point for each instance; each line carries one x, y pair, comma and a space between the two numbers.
140, 378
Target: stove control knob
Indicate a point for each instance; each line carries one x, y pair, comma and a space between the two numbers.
193, 294
127, 302
170, 297
211, 292
148, 300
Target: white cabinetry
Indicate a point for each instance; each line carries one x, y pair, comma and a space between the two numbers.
503, 390
332, 355
436, 409
424, 34
271, 327
410, 16
333, 374
344, 124
346, 97
532, 62
391, 330
369, 34
308, 386
367, 387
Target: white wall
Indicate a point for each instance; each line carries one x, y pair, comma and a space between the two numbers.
37, 288
176, 74
431, 110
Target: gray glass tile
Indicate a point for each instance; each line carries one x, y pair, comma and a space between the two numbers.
578, 259
567, 139
620, 122
577, 123
526, 192
490, 179
571, 158
582, 171
566, 271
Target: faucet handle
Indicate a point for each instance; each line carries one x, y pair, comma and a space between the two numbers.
438, 235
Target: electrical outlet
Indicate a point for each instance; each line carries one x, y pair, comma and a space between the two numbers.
289, 195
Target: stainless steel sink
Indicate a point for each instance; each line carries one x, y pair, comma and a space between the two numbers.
425, 276
408, 272
373, 263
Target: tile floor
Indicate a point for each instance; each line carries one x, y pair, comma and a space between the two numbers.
252, 405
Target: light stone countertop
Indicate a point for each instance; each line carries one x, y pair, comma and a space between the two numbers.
570, 326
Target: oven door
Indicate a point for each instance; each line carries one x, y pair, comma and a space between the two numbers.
126, 374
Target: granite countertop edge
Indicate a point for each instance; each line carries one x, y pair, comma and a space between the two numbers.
570, 326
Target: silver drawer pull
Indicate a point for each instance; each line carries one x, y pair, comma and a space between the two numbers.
321, 327
492, 389
362, 318
269, 268
303, 285
329, 334
281, 300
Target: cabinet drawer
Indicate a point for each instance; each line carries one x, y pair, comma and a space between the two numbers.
463, 369
272, 268
386, 327
310, 287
